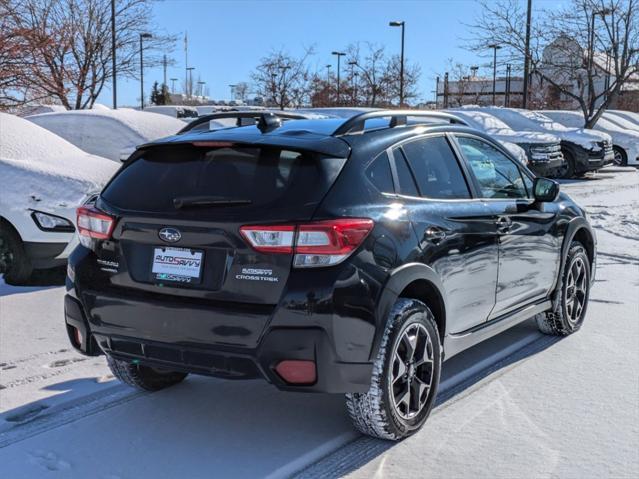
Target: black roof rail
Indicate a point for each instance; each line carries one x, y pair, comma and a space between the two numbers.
260, 116
356, 124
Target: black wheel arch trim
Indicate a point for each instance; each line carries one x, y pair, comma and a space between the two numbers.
398, 280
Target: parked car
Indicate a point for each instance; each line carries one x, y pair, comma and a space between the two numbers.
620, 121
335, 255
542, 150
112, 134
625, 143
628, 115
43, 178
175, 111
583, 150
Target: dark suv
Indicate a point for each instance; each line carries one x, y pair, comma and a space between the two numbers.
339, 255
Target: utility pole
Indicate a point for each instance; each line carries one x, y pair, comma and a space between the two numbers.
507, 95
437, 92
527, 56
186, 64
446, 90
113, 65
164, 66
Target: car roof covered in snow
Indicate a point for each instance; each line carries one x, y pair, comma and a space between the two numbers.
36, 162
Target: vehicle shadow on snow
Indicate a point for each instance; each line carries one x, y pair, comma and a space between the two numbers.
40, 279
244, 428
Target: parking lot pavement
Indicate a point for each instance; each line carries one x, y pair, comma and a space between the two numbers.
519, 405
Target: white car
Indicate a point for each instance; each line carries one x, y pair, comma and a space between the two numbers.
628, 115
542, 151
112, 134
625, 142
621, 121
43, 178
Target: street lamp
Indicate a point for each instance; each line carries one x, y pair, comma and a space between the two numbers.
495, 47
352, 64
474, 70
142, 37
339, 55
401, 65
602, 13
173, 80
189, 81
232, 87
201, 87
113, 63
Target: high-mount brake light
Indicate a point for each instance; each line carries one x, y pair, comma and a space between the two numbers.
94, 223
315, 244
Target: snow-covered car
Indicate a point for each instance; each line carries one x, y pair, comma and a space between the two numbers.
43, 178
112, 134
584, 150
628, 115
541, 150
176, 111
625, 142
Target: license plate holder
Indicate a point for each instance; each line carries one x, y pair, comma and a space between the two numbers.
177, 265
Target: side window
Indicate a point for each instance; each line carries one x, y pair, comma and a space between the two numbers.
498, 176
407, 184
435, 167
379, 173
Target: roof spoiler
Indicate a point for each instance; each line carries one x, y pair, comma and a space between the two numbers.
357, 123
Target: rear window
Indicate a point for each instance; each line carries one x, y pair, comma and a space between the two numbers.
258, 177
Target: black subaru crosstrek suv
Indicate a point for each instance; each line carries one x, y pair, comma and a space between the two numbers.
336, 255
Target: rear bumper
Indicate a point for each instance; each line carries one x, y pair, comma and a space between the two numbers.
277, 344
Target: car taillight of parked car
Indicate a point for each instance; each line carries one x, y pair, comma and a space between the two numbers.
94, 224
314, 244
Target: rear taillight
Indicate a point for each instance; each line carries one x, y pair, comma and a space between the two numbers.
94, 223
316, 244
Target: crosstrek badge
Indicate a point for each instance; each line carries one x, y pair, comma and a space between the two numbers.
257, 274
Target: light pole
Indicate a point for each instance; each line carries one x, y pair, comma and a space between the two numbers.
189, 81
284, 88
591, 47
201, 87
113, 65
173, 80
352, 64
401, 65
232, 87
527, 55
339, 56
142, 37
495, 47
474, 70
507, 96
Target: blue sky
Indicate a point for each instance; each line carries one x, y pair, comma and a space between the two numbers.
227, 38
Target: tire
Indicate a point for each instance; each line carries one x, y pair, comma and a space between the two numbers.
621, 159
570, 307
568, 170
143, 377
377, 413
14, 263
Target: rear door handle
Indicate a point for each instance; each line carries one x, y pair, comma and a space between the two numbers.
504, 223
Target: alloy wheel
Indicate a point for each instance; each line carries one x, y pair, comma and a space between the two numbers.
618, 159
576, 290
412, 370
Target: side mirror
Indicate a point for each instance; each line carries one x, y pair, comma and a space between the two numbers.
545, 190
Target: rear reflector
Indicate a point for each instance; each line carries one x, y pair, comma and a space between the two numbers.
94, 223
321, 243
295, 371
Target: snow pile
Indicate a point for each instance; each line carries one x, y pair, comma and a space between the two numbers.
38, 166
107, 132
621, 121
628, 115
36, 109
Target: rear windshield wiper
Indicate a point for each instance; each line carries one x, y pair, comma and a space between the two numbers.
187, 201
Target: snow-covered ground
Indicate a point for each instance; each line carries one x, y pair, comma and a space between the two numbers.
520, 405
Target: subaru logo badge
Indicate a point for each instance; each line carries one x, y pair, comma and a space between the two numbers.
170, 235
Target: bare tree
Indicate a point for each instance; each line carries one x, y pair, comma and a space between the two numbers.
412, 73
372, 68
572, 49
282, 79
66, 50
241, 90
